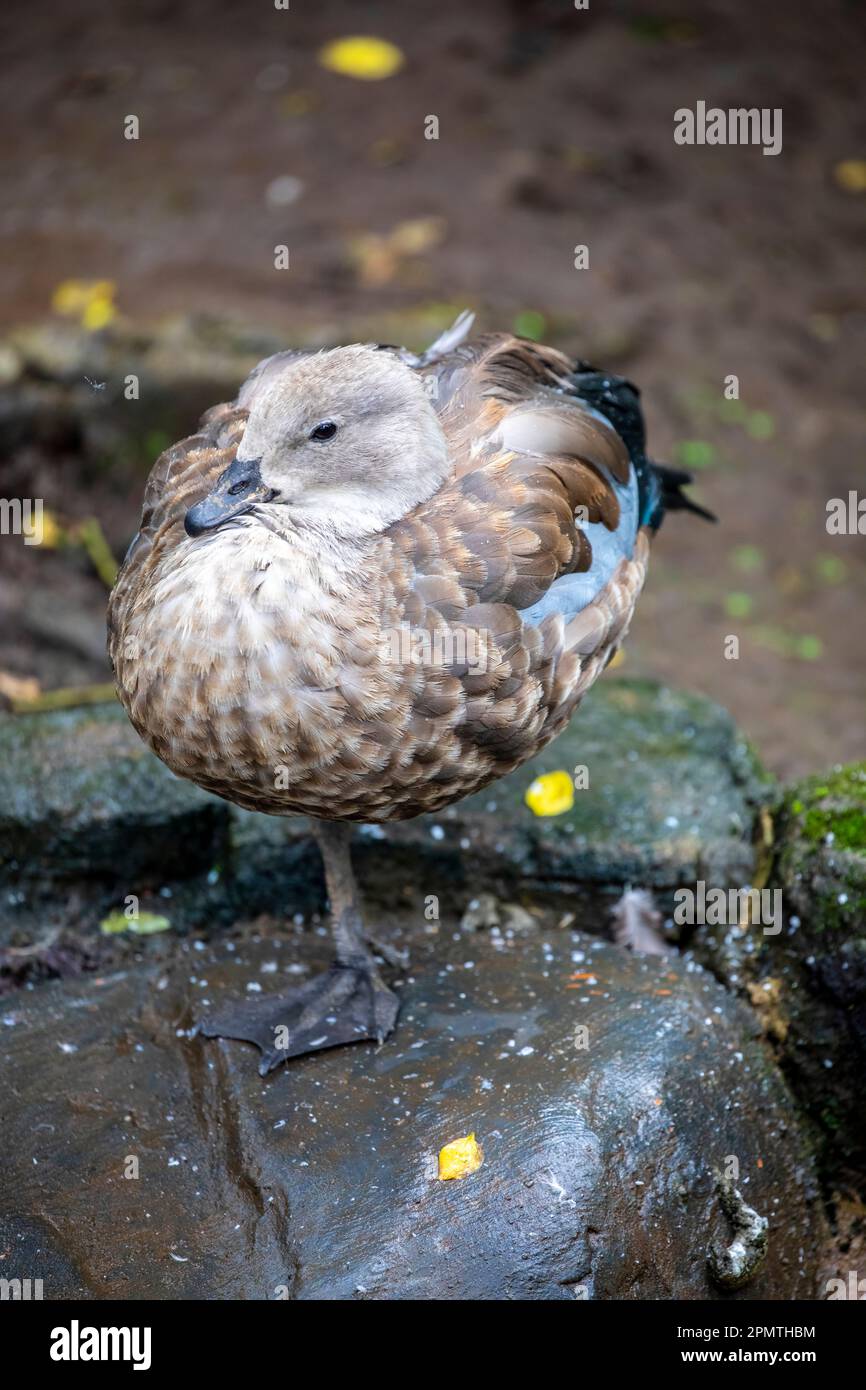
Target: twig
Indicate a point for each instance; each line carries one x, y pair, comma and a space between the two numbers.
67, 697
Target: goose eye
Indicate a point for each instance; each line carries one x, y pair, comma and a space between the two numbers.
326, 430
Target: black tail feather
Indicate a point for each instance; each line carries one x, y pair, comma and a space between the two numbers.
659, 487
673, 499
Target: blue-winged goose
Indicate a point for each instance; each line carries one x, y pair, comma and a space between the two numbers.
370, 586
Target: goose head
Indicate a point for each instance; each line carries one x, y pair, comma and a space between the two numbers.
346, 441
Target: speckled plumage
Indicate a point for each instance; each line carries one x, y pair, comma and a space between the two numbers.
262, 663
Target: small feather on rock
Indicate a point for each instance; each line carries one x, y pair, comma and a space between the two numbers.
637, 924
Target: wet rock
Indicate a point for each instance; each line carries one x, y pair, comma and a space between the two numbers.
485, 912
734, 1263
809, 981
144, 1162
80, 795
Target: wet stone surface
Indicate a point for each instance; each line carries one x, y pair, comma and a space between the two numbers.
81, 795
601, 1149
320, 1182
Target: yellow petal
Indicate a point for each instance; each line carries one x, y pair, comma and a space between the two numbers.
366, 58
551, 794
460, 1158
850, 174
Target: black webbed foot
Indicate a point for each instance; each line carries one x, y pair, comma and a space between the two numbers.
349, 1003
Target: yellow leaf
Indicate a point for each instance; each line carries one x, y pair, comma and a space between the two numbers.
460, 1158
91, 300
18, 687
114, 924
550, 794
850, 174
415, 237
98, 313
298, 103
365, 58
145, 924
69, 297
374, 258
52, 531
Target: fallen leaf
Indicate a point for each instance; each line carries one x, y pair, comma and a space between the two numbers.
18, 687
91, 301
738, 605
830, 568
420, 234
52, 531
808, 647
379, 257
850, 174
145, 924
696, 453
760, 424
530, 324
460, 1158
363, 57
550, 794
747, 558
299, 103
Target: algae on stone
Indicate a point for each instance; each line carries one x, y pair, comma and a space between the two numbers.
817, 965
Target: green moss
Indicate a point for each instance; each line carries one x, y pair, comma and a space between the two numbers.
848, 828
833, 805
848, 782
822, 850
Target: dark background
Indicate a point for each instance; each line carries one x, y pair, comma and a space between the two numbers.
556, 128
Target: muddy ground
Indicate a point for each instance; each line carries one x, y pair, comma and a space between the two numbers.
555, 129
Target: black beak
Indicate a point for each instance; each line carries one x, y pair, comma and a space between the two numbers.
237, 491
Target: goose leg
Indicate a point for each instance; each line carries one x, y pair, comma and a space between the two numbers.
348, 1003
